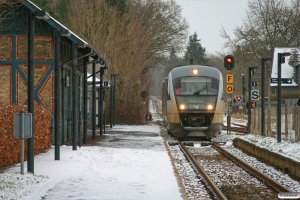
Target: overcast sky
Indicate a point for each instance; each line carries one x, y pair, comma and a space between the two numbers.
205, 17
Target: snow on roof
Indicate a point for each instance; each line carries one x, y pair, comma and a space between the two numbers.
286, 69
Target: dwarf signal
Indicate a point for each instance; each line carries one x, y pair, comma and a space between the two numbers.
148, 117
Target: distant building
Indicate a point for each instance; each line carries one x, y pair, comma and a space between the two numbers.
290, 75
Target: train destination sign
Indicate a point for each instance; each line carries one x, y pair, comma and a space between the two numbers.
283, 80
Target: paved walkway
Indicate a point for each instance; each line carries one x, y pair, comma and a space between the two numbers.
128, 162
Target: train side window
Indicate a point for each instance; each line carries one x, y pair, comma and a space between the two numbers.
169, 89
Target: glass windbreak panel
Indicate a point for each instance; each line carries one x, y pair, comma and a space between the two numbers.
195, 86
196, 102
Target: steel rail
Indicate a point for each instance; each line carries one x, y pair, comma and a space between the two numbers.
213, 186
236, 129
252, 170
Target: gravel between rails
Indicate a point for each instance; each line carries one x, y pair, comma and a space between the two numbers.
195, 187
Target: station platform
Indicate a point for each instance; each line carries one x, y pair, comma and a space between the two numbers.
126, 163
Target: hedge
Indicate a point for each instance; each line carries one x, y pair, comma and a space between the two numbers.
10, 147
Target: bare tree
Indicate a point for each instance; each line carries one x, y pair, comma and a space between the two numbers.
8, 8
130, 42
269, 24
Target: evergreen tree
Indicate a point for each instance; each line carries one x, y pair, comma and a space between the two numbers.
195, 51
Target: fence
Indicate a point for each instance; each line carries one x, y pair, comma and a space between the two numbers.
290, 118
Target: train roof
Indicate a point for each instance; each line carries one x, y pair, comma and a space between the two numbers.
186, 70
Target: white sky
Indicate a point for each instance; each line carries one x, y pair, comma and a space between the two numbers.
205, 17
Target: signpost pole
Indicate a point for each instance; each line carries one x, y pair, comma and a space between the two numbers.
263, 97
22, 130
229, 65
249, 99
22, 142
228, 115
279, 55
280, 59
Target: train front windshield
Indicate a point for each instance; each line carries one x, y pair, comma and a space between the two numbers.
196, 93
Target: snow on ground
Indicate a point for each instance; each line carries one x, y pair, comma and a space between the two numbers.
107, 172
287, 148
128, 165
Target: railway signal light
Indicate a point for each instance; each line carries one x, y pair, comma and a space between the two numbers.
229, 62
253, 105
148, 117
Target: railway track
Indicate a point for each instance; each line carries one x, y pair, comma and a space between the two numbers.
236, 128
228, 177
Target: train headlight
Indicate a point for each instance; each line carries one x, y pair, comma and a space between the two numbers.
182, 106
195, 71
209, 107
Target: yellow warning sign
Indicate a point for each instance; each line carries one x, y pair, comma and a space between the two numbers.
229, 78
229, 89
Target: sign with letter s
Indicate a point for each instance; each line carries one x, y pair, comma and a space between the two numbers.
254, 94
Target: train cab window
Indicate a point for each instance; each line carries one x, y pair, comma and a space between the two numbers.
195, 86
196, 93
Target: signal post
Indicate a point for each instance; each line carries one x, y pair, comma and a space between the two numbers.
229, 65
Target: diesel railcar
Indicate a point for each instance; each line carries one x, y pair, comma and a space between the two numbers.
193, 102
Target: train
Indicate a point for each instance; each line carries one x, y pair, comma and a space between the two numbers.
193, 101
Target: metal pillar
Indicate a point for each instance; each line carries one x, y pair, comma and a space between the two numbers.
249, 99
280, 59
93, 107
279, 55
100, 114
57, 96
85, 103
243, 89
63, 118
114, 101
99, 107
74, 95
111, 101
31, 91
